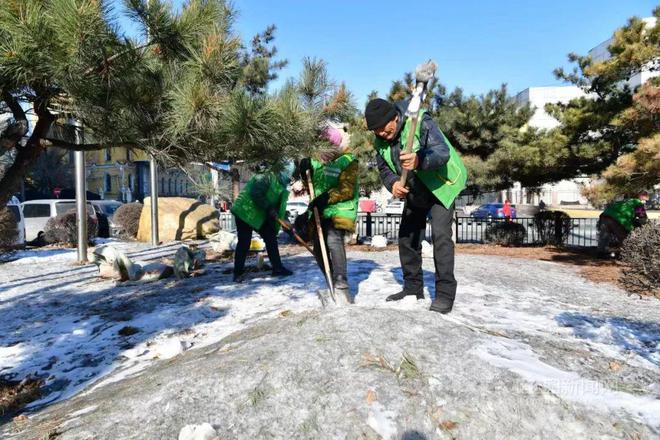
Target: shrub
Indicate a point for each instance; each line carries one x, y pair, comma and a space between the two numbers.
641, 253
505, 234
8, 229
553, 227
63, 229
127, 217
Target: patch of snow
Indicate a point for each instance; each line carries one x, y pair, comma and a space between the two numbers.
521, 359
379, 241
85, 410
382, 421
198, 432
40, 256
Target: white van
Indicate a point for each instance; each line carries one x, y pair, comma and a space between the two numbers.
14, 206
37, 213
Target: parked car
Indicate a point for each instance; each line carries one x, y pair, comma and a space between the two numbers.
37, 213
105, 209
14, 206
492, 210
394, 207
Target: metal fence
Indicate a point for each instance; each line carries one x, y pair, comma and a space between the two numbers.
583, 231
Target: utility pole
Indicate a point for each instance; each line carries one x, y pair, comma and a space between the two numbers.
81, 194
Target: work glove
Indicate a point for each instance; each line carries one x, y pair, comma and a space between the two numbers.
301, 224
320, 202
272, 214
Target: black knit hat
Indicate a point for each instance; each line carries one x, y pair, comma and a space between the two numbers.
378, 113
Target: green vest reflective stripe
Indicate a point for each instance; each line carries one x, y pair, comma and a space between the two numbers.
326, 177
276, 196
447, 182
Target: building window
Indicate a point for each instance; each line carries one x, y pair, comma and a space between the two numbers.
169, 186
108, 154
162, 185
129, 155
108, 183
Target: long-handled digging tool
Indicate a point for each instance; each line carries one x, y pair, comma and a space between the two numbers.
288, 228
323, 293
423, 74
324, 253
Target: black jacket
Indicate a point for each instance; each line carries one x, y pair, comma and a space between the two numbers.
433, 154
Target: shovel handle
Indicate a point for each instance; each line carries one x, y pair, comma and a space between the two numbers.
319, 232
298, 238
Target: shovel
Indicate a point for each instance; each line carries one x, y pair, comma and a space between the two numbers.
323, 293
324, 253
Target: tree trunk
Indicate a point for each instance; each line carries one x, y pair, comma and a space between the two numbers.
235, 182
27, 155
18, 129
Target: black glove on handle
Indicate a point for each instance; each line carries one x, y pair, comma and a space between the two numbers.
320, 202
305, 164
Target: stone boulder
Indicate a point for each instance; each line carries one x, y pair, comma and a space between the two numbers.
179, 218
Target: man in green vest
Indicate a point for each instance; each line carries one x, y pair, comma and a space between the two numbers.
436, 176
618, 220
336, 191
257, 208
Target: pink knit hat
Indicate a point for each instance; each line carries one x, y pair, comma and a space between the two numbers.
333, 136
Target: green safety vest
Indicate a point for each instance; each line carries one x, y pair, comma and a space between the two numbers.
447, 182
623, 212
326, 177
276, 196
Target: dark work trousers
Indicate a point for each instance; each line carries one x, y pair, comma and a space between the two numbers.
334, 242
411, 234
269, 235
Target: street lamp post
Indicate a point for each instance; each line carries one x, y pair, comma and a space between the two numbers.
81, 195
153, 168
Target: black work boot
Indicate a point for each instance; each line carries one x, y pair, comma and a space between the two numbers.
239, 277
399, 296
281, 272
442, 304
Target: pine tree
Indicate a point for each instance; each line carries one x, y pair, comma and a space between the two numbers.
614, 130
186, 91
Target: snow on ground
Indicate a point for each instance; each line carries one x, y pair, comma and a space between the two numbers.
589, 344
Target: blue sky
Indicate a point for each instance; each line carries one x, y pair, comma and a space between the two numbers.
477, 44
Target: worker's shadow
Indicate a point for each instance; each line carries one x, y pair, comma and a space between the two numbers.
359, 271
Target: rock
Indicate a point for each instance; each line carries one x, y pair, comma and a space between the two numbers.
427, 249
223, 241
187, 260
179, 218
198, 432
379, 241
114, 264
156, 271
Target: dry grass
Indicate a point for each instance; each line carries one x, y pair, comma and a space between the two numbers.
14, 395
589, 265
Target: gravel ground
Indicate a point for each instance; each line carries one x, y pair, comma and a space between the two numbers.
531, 350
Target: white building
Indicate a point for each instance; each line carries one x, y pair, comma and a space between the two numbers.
538, 97
566, 192
600, 53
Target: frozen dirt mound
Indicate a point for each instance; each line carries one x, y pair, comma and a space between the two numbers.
361, 372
